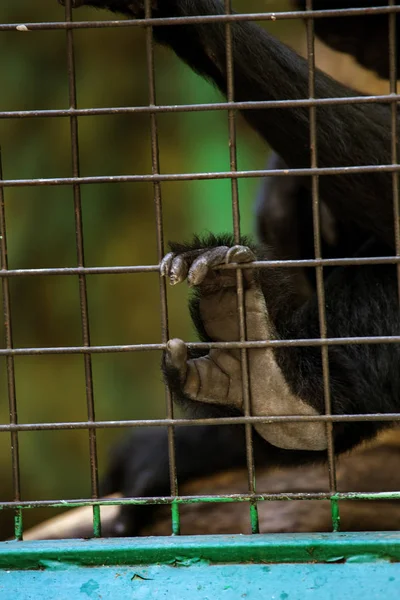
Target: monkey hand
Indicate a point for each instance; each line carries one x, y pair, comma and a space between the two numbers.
216, 378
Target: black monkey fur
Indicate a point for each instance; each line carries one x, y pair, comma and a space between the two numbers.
360, 301
266, 69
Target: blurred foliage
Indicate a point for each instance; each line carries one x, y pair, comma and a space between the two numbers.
119, 229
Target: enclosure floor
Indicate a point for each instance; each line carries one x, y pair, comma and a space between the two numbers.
275, 582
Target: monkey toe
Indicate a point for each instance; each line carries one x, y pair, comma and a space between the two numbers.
176, 356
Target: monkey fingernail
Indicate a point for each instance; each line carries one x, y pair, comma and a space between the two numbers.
198, 272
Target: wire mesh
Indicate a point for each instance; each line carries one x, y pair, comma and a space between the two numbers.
157, 178
160, 251
81, 263
319, 269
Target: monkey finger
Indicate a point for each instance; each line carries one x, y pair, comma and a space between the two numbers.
179, 269
206, 261
240, 254
215, 257
165, 265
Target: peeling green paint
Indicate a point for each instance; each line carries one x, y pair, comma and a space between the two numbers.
190, 550
176, 520
362, 566
254, 520
366, 558
96, 521
18, 524
335, 514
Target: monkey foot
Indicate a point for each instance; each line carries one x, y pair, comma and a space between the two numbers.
176, 356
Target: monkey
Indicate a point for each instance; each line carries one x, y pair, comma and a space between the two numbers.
369, 468
361, 300
283, 209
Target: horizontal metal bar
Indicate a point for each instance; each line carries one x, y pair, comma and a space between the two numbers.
312, 342
218, 498
55, 181
117, 270
211, 106
259, 264
222, 18
240, 420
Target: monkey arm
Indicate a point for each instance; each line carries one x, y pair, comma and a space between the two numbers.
266, 70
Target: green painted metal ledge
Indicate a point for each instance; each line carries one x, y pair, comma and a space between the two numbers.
279, 567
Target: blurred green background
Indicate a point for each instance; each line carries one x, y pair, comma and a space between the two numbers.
119, 229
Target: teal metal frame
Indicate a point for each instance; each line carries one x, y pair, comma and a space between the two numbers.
268, 567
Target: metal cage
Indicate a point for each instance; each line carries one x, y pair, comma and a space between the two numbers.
275, 566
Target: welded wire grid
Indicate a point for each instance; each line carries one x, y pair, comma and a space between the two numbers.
82, 271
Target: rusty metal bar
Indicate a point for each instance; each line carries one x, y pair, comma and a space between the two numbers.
10, 367
200, 176
394, 132
295, 343
240, 420
246, 392
80, 253
319, 272
223, 18
259, 264
179, 108
221, 498
160, 253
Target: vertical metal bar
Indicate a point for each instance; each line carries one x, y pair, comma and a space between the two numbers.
84, 310
12, 395
319, 269
239, 276
394, 132
160, 253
